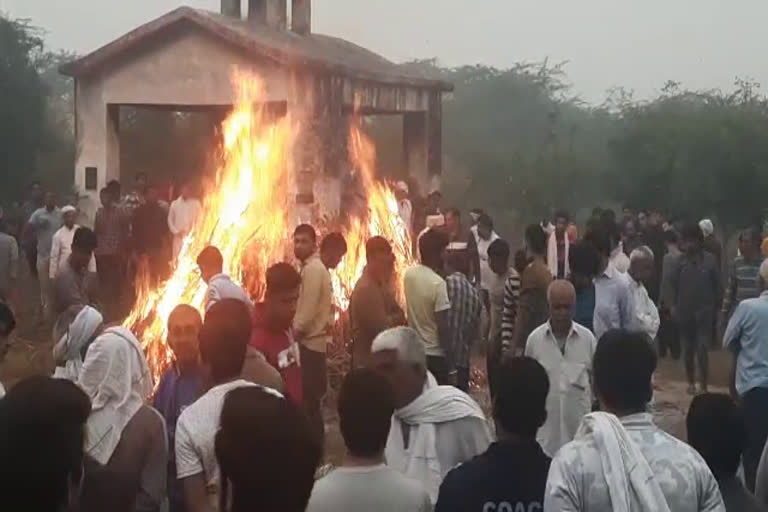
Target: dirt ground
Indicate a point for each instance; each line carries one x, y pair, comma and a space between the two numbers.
30, 354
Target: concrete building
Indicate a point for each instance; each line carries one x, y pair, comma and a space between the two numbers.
184, 61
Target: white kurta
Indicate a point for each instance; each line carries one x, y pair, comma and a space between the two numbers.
61, 248
646, 313
486, 274
570, 389
181, 219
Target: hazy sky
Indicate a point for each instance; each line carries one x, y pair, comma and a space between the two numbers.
634, 43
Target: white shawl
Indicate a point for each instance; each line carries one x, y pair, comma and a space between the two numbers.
116, 377
552, 254
437, 404
70, 345
629, 477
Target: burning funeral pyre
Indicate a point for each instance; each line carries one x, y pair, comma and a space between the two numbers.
246, 214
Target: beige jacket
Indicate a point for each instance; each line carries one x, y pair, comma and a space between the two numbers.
314, 313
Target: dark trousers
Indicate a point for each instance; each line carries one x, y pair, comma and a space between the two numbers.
314, 377
695, 336
438, 367
669, 335
754, 405
462, 379
111, 271
31, 254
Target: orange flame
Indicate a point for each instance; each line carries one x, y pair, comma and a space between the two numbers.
244, 215
383, 219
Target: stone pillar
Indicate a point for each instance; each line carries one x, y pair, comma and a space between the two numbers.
435, 137
97, 159
415, 155
321, 148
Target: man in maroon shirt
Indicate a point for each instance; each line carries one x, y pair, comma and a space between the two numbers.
272, 334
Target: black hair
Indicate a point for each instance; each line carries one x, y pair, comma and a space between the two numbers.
600, 239
608, 215
520, 260
458, 261
584, 259
306, 229
84, 240
485, 220
521, 385
562, 214
42, 430
364, 422
716, 430
623, 364
431, 246
114, 188
753, 236
691, 231
377, 245
536, 239
499, 248
224, 337
334, 242
282, 277
210, 257
670, 237
453, 211
258, 425
7, 320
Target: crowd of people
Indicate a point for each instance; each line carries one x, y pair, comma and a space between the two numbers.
571, 327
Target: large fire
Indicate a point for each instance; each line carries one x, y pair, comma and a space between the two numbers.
246, 212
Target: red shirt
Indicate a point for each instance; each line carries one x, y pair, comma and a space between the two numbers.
281, 352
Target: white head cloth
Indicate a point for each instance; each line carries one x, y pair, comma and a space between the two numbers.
116, 377
70, 345
630, 479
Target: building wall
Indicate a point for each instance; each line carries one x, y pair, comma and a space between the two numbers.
185, 69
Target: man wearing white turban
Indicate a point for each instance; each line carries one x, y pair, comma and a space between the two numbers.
61, 245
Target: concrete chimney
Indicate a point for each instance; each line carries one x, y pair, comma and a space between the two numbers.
272, 13
231, 8
301, 17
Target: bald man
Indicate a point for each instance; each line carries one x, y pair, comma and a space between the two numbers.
565, 349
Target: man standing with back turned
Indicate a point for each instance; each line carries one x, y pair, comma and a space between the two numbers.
747, 339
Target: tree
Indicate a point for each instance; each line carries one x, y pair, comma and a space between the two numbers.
22, 102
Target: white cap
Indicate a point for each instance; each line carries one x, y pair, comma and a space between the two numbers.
67, 209
706, 227
764, 270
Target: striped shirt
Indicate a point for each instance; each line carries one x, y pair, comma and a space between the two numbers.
463, 317
504, 294
742, 283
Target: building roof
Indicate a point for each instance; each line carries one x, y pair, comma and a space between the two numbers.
317, 51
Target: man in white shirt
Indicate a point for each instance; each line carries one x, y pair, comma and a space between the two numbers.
364, 482
404, 206
223, 341
619, 459
565, 349
61, 246
182, 216
220, 285
426, 300
434, 428
484, 237
641, 269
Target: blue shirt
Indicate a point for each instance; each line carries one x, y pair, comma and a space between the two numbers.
614, 302
46, 224
584, 310
175, 392
747, 333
